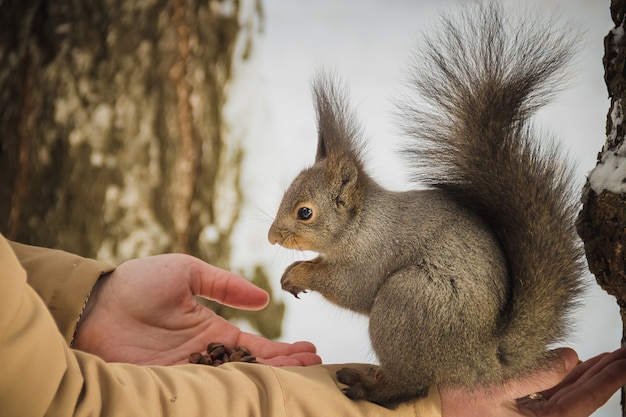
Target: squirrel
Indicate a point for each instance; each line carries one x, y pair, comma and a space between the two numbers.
468, 280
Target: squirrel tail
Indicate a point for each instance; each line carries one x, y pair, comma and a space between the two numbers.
480, 80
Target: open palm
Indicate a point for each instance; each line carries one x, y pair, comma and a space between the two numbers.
144, 313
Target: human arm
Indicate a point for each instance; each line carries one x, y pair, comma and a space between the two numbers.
143, 311
62, 280
41, 375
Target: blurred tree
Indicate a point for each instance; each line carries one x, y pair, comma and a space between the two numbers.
602, 221
113, 143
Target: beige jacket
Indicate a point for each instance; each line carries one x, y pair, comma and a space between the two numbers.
40, 375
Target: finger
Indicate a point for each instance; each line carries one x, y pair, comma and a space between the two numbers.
585, 372
298, 359
587, 397
604, 360
574, 375
264, 348
226, 287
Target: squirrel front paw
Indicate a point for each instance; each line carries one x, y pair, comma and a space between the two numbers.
296, 278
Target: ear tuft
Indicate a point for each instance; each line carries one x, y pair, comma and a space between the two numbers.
338, 132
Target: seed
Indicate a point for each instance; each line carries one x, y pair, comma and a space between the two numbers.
217, 353
213, 345
244, 350
195, 357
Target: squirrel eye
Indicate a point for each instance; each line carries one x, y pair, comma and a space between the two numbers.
305, 213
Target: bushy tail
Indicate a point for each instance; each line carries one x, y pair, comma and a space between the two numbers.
480, 79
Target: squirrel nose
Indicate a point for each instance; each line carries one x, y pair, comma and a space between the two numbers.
274, 235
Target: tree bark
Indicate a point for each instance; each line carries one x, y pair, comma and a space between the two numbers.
113, 143
602, 221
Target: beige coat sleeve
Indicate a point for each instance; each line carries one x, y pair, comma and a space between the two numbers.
41, 375
62, 280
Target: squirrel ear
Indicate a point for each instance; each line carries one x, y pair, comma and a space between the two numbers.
345, 176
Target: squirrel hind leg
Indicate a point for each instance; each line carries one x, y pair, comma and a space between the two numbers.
375, 386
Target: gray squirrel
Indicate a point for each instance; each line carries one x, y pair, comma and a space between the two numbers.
466, 283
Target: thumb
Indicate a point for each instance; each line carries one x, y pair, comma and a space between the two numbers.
226, 287
565, 360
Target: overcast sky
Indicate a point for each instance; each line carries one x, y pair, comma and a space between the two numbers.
368, 42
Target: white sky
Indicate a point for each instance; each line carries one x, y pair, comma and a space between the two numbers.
368, 42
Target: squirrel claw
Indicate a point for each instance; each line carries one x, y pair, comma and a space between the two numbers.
295, 291
296, 278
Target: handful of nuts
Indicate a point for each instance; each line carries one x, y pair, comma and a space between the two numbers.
218, 354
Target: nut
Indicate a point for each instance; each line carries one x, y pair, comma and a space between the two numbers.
245, 350
218, 354
214, 345
195, 357
236, 356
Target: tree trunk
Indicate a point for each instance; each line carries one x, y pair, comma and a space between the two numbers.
602, 221
112, 138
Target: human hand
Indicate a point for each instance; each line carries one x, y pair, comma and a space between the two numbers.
566, 390
144, 313
583, 390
